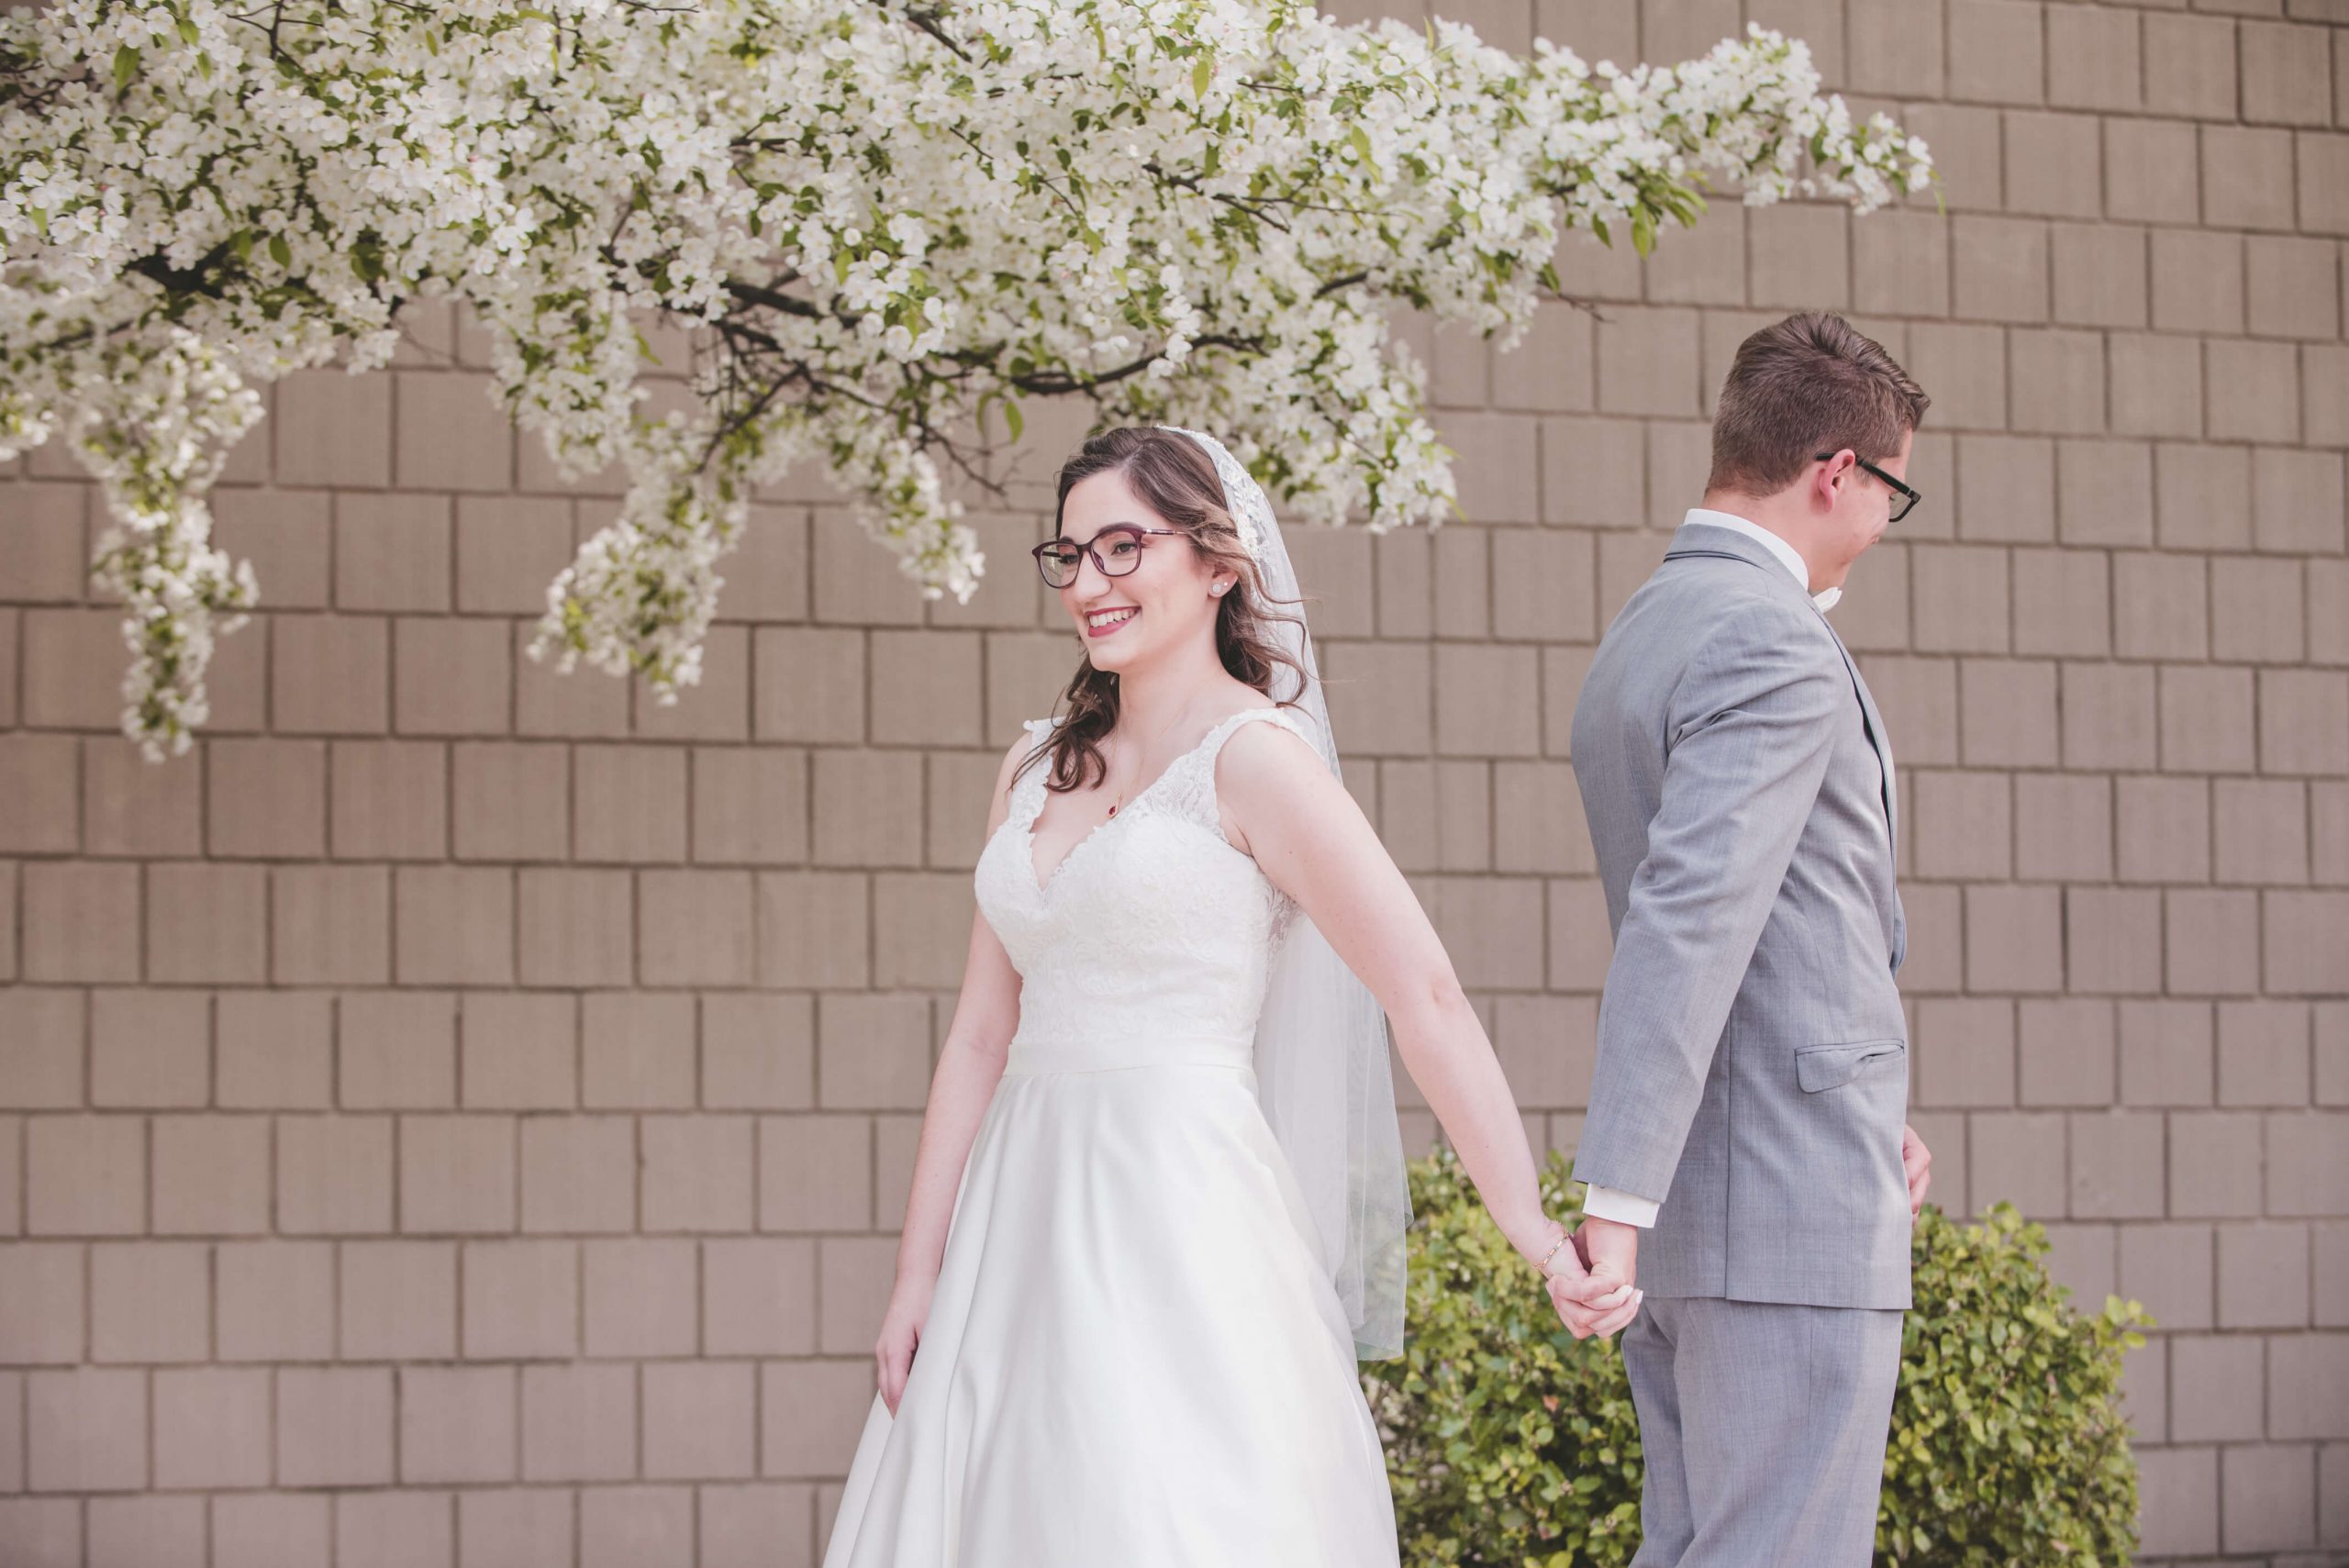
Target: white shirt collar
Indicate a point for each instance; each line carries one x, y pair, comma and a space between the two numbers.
1788, 556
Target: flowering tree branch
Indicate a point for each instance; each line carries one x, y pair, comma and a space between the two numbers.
894, 220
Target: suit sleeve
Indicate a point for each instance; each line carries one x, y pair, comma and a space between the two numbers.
1752, 727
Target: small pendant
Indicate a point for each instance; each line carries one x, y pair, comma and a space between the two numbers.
1113, 811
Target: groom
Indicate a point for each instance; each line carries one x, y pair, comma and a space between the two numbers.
1745, 1147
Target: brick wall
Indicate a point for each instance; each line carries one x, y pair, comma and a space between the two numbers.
457, 1115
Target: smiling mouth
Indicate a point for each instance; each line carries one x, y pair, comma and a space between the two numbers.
1101, 622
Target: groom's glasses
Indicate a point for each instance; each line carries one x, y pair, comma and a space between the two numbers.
1909, 497
1116, 550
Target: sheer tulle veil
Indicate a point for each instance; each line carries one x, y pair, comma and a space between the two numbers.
1322, 1071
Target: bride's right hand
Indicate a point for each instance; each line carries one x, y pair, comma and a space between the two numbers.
901, 1328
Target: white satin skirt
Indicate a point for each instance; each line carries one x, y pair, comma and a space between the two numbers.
1133, 1356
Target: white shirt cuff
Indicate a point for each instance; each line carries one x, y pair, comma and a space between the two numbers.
1624, 1208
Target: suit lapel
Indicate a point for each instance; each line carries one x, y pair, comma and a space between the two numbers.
1873, 722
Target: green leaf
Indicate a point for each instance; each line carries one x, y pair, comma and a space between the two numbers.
1202, 73
125, 66
279, 251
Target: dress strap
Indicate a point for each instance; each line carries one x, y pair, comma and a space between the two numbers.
1192, 793
1027, 790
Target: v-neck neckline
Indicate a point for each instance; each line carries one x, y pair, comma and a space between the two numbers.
1043, 884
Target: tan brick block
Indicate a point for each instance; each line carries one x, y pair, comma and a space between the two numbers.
863, 801
2307, 1174
391, 552
739, 1526
548, 700
2159, 606
694, 927
452, 433
2156, 386
809, 684
619, 1526
2206, 719
394, 1529
520, 1051
637, 1051
334, 1426
275, 1049
2329, 832
2260, 831
2286, 79
2297, 503
130, 806
2246, 177
331, 925
268, 798
2100, 277
1543, 583
2152, 168
1025, 673
12, 1183
2007, 485
72, 664
457, 1424
397, 1050
330, 674
2253, 394
42, 1299
2092, 58
271, 1530
813, 929
2013, 940
2165, 833
211, 1175
211, 1430
579, 1174
452, 676
275, 1300
206, 923
1538, 812
631, 803
1995, 52
2063, 827
751, 805
1901, 265
286, 534
2180, 1493
333, 427
1492, 928
524, 1527
2107, 716
1873, 615
39, 776
1797, 259
2018, 1158
86, 1429
151, 1048
856, 581
2197, 281
576, 927
2190, 66
1334, 565
2263, 1276
2293, 287
925, 688
2058, 382
1380, 697
2062, 603
815, 1173
1648, 362
85, 1176
520, 1299
853, 1280
509, 548
2113, 938
457, 1174
1961, 605
700, 1421
757, 1051
697, 1173
512, 801
643, 1297
80, 921
1482, 711
43, 551
455, 925
42, 1035
922, 925
2213, 942
2255, 611
2304, 722
718, 707
2263, 1053
810, 1413
389, 800
399, 1300
2220, 1381
149, 1301
2168, 1268
1580, 944
2007, 708
1552, 369
334, 1175
2117, 1165
2307, 945
758, 1297
873, 1051
766, 577
2307, 1390
2054, 164
2323, 165
1998, 269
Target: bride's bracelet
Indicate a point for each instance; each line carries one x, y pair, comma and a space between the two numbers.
1564, 1236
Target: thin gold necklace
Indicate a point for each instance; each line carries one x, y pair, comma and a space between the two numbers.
1118, 803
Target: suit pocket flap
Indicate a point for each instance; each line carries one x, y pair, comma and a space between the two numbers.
1821, 1067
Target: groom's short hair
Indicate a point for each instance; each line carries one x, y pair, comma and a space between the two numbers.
1810, 384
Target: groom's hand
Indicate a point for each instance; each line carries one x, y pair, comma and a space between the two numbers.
1607, 1297
1917, 1163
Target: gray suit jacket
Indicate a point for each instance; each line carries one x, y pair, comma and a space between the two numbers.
1752, 1058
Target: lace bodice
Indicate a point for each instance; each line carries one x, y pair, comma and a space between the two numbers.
1153, 925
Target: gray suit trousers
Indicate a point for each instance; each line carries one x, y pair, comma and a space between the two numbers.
1764, 1425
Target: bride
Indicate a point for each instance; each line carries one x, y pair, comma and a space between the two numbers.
1158, 1206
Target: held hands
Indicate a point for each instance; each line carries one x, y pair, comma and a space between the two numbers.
901, 1328
1590, 1278
1917, 1163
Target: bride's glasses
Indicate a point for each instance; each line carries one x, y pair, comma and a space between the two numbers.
1116, 550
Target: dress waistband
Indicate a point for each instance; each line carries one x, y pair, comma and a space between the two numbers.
1112, 1054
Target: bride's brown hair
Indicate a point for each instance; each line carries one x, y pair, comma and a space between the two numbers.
1176, 478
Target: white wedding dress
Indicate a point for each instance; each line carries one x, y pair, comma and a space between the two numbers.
1134, 1357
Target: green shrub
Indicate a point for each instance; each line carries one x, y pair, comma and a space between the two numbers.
1511, 1445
